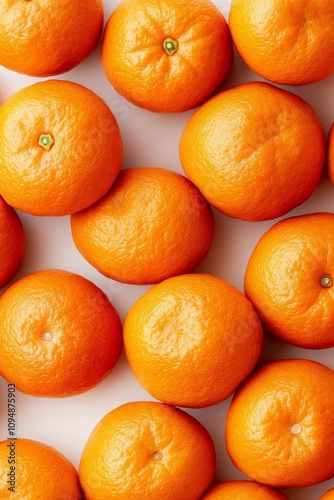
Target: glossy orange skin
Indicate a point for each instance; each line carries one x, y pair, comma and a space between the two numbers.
278, 426
59, 333
140, 69
45, 37
12, 242
144, 450
242, 490
151, 225
82, 163
192, 339
255, 151
40, 472
290, 42
283, 280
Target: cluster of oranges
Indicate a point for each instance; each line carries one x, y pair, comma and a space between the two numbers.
254, 152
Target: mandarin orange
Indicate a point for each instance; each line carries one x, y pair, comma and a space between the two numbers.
59, 334
31, 470
255, 151
289, 279
328, 495
12, 242
151, 225
166, 56
45, 37
278, 424
145, 450
192, 339
330, 154
60, 148
289, 42
242, 490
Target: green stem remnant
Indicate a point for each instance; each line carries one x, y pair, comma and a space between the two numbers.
170, 46
326, 281
46, 141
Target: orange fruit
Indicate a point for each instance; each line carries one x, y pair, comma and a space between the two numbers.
242, 490
255, 151
59, 334
290, 42
166, 56
60, 148
278, 426
12, 242
152, 224
289, 279
192, 339
145, 450
33, 470
43, 37
328, 495
330, 154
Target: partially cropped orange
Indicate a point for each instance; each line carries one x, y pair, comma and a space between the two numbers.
255, 151
242, 490
60, 148
330, 154
59, 334
151, 225
289, 42
12, 242
166, 55
278, 426
289, 279
31, 470
45, 37
328, 495
147, 450
192, 339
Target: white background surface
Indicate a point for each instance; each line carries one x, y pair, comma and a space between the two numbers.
149, 140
